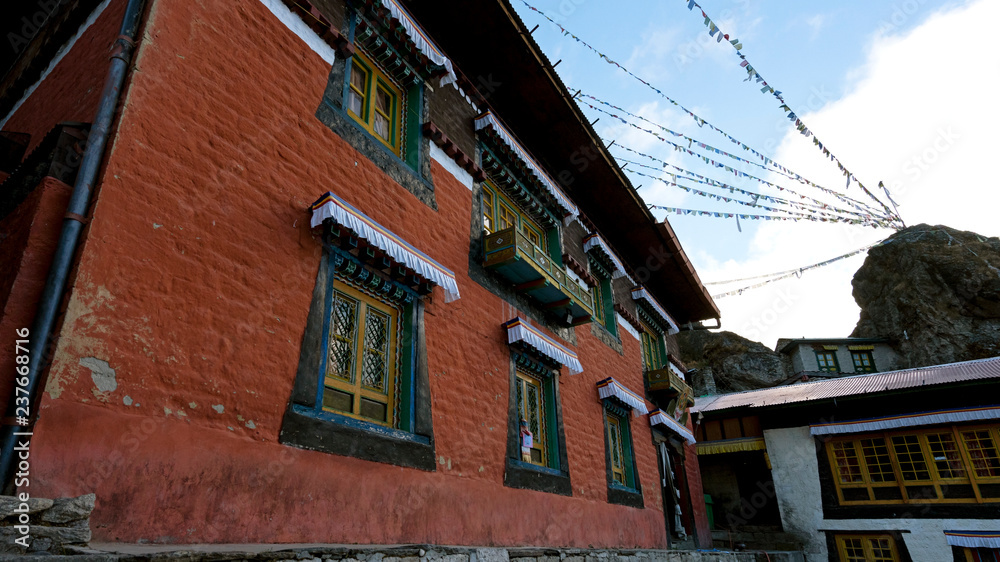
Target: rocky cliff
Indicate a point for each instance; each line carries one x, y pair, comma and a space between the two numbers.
726, 362
934, 292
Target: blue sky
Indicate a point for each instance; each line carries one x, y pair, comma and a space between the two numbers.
876, 82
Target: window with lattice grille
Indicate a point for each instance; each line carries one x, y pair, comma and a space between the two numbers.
866, 548
939, 465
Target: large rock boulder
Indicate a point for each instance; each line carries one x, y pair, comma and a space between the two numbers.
726, 362
934, 292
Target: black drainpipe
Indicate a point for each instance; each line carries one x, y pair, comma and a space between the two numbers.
55, 284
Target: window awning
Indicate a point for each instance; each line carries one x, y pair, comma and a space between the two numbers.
659, 417
595, 241
519, 330
420, 39
488, 120
641, 294
861, 347
331, 207
609, 387
973, 539
910, 420
732, 446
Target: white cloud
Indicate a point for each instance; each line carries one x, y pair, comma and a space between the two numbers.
920, 114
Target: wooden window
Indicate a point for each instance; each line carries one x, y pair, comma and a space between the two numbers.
654, 352
501, 213
532, 406
619, 446
374, 101
617, 450
866, 548
981, 554
827, 361
361, 357
939, 465
863, 361
489, 210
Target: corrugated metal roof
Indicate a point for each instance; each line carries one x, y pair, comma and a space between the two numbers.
980, 369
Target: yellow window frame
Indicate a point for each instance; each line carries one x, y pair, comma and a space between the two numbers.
505, 213
866, 548
375, 79
933, 458
980, 554
617, 447
352, 382
652, 352
533, 410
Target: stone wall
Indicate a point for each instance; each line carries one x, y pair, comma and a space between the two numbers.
414, 553
52, 525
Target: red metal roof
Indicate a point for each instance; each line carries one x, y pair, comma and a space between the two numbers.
980, 369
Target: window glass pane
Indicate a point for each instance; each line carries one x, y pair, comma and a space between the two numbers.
947, 457
507, 217
877, 460
983, 452
383, 101
532, 402
617, 454
375, 362
881, 548
488, 210
853, 550
910, 458
343, 337
846, 459
356, 95
381, 126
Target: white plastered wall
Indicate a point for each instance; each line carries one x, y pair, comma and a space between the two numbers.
795, 470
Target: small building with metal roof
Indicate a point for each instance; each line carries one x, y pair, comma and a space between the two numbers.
900, 465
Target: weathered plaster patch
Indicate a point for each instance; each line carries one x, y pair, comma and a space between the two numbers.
193, 405
219, 408
101, 373
75, 338
127, 400
251, 425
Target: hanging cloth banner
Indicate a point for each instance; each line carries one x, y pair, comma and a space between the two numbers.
658, 417
912, 420
595, 241
518, 330
489, 121
641, 294
609, 388
742, 445
331, 207
973, 539
421, 40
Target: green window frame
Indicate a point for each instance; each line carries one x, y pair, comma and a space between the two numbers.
863, 361
536, 405
654, 347
604, 299
375, 102
866, 548
826, 361
500, 212
618, 440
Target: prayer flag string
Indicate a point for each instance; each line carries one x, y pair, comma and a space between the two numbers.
800, 126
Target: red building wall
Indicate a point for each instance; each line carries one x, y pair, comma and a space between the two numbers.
194, 285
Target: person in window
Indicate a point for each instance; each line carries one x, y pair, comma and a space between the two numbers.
527, 441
